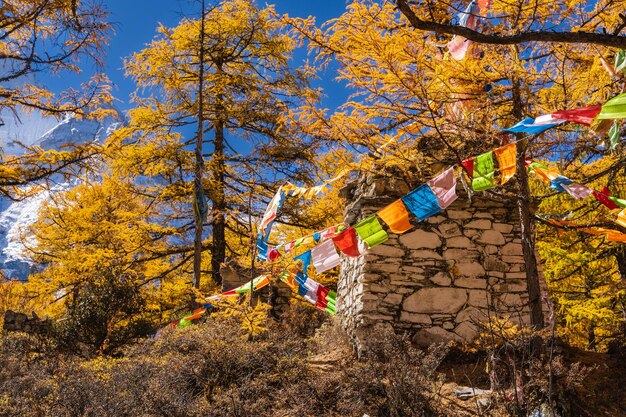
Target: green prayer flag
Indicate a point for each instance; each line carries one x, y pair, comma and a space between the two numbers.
614, 134
620, 60
619, 201
484, 172
184, 323
371, 231
615, 108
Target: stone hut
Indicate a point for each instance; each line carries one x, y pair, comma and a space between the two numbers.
439, 280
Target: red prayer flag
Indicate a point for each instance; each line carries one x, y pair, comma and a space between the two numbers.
348, 242
582, 115
603, 197
469, 166
322, 292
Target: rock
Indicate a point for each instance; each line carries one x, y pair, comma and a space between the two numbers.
442, 279
425, 254
467, 331
461, 254
450, 229
470, 269
479, 298
458, 242
415, 318
470, 283
420, 239
427, 337
393, 299
502, 227
492, 263
384, 267
512, 249
436, 300
448, 325
491, 237
387, 251
458, 214
472, 315
483, 224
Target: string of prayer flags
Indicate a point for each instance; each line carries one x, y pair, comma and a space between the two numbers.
547, 174
484, 172
348, 242
581, 115
559, 182
316, 294
257, 283
603, 197
444, 187
315, 237
615, 108
610, 234
396, 216
578, 191
422, 202
271, 212
371, 232
619, 201
325, 256
535, 126
506, 156
326, 300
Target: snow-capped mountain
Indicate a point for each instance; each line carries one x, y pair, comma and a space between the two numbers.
15, 217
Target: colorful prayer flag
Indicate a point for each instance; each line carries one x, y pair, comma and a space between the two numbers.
257, 283
306, 261
615, 108
422, 202
534, 126
325, 256
619, 201
458, 46
396, 216
558, 182
484, 172
603, 197
506, 156
348, 242
621, 218
581, 115
468, 164
614, 134
371, 232
578, 191
444, 187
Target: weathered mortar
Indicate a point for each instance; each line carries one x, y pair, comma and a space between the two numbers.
438, 280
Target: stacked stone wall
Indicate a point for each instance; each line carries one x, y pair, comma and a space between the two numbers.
440, 280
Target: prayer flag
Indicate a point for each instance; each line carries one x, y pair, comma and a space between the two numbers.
603, 197
348, 242
444, 187
306, 261
620, 60
484, 172
558, 182
547, 174
534, 126
577, 191
262, 247
615, 108
371, 232
619, 201
422, 202
325, 256
396, 216
582, 115
506, 156
257, 283
458, 46
468, 164
614, 135
271, 212
322, 293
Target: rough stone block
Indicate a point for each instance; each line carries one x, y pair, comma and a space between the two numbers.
384, 267
458, 242
415, 318
483, 224
461, 254
479, 298
427, 337
492, 237
470, 283
420, 239
512, 249
436, 300
425, 254
458, 214
467, 331
442, 279
387, 251
473, 315
450, 229
503, 228
393, 299
470, 269
493, 263
448, 325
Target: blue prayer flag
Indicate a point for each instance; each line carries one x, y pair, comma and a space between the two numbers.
559, 182
528, 126
422, 202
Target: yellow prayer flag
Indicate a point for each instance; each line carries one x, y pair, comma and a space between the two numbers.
396, 216
506, 160
621, 218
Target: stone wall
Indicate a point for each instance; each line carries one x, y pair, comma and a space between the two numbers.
439, 280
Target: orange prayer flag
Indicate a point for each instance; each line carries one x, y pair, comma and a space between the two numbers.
506, 160
396, 216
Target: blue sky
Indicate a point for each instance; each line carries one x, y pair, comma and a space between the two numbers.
135, 22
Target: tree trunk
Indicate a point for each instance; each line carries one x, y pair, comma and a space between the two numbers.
218, 253
199, 202
526, 223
